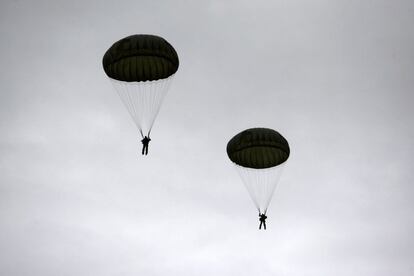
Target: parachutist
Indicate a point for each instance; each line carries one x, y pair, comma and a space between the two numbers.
259, 155
262, 219
141, 67
145, 143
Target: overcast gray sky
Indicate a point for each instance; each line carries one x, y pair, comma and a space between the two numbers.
334, 77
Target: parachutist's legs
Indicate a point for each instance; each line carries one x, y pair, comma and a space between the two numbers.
146, 149
260, 226
264, 225
143, 148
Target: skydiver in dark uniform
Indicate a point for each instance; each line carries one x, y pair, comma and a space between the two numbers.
145, 143
262, 219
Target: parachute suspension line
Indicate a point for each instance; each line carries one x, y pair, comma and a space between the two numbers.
266, 191
143, 100
136, 117
159, 98
123, 91
153, 94
247, 181
260, 184
140, 101
273, 177
153, 102
270, 186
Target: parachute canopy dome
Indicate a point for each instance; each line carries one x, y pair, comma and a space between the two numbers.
258, 148
139, 58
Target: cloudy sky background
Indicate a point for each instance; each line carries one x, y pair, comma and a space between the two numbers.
334, 77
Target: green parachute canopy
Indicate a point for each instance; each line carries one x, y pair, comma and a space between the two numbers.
139, 58
258, 148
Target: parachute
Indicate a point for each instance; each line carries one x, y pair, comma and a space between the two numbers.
141, 68
259, 155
